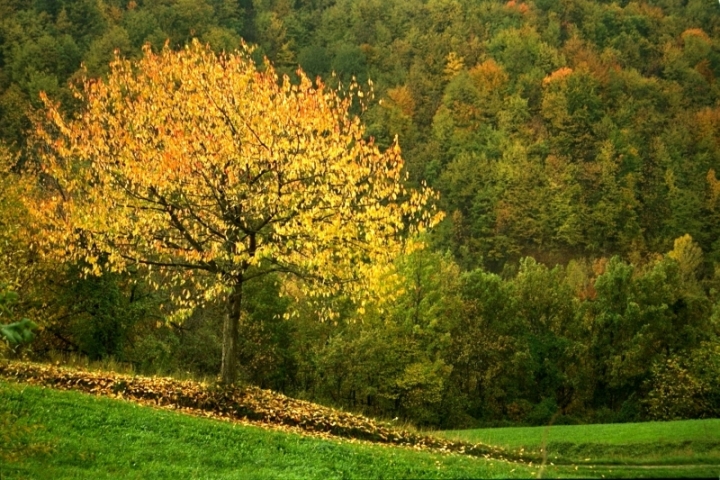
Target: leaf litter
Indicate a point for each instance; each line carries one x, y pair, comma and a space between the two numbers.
248, 405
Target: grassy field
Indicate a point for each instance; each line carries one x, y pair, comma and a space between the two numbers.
56, 434
73, 435
680, 448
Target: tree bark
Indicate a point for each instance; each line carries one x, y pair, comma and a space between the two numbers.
231, 326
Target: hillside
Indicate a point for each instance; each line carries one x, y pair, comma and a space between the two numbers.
58, 435
574, 147
50, 433
248, 404
556, 130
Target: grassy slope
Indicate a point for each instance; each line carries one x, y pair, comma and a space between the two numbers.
73, 435
687, 442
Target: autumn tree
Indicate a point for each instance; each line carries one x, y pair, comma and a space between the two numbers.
213, 171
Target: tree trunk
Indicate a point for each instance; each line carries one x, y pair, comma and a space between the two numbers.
231, 326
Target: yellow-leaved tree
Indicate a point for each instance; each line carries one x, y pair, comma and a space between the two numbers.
215, 172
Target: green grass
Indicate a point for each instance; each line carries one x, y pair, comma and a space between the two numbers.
680, 444
73, 435
608, 434
48, 434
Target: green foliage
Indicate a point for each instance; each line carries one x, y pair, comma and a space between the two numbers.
16, 333
267, 351
393, 362
644, 318
686, 386
104, 316
349, 61
314, 60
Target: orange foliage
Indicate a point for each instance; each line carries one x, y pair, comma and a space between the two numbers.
714, 186
599, 266
402, 97
518, 7
557, 75
697, 33
707, 123
704, 69
589, 292
213, 172
488, 76
369, 52
583, 57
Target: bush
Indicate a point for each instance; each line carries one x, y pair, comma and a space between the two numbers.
14, 334
543, 412
686, 386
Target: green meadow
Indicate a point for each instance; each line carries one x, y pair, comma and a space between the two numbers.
59, 434
676, 449
49, 434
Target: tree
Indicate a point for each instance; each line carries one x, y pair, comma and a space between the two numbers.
215, 172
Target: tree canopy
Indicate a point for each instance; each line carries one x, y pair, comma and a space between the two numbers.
215, 172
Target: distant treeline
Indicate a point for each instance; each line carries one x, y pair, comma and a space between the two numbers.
578, 133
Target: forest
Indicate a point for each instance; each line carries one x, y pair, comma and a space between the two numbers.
574, 146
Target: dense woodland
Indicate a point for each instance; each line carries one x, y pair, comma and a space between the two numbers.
574, 143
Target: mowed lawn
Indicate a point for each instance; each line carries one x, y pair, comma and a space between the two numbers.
690, 447
48, 434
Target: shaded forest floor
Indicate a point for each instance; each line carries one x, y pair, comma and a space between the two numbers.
33, 419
